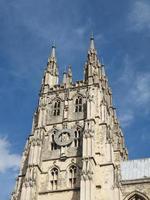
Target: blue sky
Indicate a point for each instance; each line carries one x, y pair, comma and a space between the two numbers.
27, 30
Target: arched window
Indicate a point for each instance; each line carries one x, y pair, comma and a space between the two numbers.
137, 197
56, 111
78, 104
77, 138
54, 146
72, 176
54, 178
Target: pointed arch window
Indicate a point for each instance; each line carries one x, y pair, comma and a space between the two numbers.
56, 111
136, 197
79, 104
72, 176
54, 178
54, 146
77, 138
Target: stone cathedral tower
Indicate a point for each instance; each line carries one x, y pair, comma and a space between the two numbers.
76, 146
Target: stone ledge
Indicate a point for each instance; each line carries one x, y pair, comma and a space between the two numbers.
135, 181
63, 190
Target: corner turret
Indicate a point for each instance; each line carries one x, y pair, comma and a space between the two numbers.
51, 73
92, 68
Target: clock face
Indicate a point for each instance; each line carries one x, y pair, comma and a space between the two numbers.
64, 137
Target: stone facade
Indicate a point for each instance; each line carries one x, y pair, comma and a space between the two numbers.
76, 146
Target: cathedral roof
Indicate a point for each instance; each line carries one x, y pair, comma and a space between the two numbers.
135, 169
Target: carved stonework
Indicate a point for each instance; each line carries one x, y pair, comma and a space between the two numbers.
64, 137
76, 149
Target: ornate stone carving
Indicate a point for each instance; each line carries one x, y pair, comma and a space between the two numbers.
64, 137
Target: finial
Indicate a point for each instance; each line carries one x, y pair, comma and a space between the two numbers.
92, 36
64, 77
69, 70
53, 53
54, 44
92, 46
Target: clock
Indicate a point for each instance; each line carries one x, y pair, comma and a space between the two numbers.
64, 137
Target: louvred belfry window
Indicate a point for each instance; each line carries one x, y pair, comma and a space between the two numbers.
78, 104
56, 108
77, 138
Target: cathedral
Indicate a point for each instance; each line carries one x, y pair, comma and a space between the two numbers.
76, 148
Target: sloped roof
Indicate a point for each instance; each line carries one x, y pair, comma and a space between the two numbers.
135, 169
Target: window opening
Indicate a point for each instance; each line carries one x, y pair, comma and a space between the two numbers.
77, 138
57, 108
54, 178
78, 104
137, 197
72, 176
54, 146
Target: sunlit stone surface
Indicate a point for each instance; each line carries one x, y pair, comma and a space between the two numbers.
76, 148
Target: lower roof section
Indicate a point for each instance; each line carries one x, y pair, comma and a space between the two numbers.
135, 169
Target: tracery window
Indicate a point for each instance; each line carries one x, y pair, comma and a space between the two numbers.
78, 104
77, 138
54, 178
54, 146
56, 111
72, 176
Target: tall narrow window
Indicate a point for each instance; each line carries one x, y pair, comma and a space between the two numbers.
78, 104
72, 176
54, 178
53, 144
77, 138
57, 108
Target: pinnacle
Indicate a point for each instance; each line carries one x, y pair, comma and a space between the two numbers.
92, 46
53, 52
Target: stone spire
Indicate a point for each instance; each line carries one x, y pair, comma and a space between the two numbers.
92, 66
53, 52
51, 73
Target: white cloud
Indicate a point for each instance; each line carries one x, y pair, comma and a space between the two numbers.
135, 97
136, 83
8, 160
141, 93
126, 118
139, 16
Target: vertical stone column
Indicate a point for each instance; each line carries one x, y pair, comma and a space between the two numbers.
29, 184
35, 151
87, 183
29, 179
87, 189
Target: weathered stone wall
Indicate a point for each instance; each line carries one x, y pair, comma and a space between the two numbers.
139, 187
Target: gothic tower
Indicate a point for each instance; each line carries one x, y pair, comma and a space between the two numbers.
76, 144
